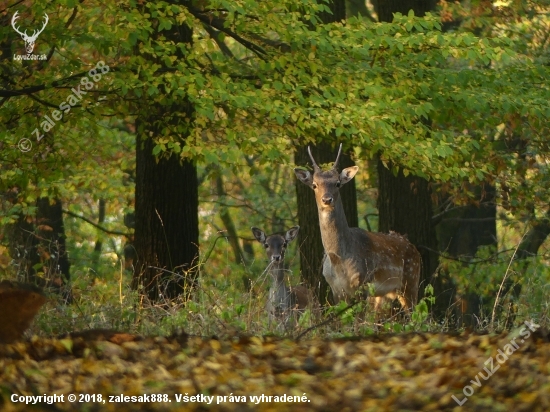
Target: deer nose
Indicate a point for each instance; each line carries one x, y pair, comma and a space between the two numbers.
327, 199
276, 258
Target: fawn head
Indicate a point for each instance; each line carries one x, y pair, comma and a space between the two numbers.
275, 244
326, 184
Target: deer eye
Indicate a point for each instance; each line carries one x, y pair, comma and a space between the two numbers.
338, 184
266, 245
314, 185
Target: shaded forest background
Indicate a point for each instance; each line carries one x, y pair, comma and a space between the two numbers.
135, 207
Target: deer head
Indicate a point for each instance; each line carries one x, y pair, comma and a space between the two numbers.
275, 244
326, 184
29, 40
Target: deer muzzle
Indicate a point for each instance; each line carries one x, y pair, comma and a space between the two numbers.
327, 199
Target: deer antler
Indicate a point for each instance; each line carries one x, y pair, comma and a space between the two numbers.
15, 17
24, 34
335, 165
35, 33
315, 166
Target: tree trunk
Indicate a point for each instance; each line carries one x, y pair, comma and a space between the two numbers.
98, 244
461, 232
51, 232
527, 249
38, 245
167, 227
166, 237
534, 239
357, 8
309, 237
405, 206
386, 8
338, 11
24, 248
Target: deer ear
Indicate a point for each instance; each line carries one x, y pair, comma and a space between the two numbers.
304, 176
292, 233
258, 234
348, 173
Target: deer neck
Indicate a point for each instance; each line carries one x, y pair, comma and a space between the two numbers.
279, 290
335, 233
278, 274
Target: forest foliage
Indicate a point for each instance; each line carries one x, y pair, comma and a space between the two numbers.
459, 97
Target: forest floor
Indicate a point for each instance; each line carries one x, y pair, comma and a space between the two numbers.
405, 372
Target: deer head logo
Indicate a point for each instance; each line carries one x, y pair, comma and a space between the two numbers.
29, 40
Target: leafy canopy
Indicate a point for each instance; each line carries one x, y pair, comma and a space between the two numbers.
264, 76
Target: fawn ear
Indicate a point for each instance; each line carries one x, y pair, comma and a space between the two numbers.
348, 173
258, 234
304, 176
292, 233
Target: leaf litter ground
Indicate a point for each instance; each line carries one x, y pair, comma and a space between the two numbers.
403, 372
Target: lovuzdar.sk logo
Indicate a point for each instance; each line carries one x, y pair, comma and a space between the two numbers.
29, 40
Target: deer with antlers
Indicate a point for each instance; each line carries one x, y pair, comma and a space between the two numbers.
29, 40
357, 262
285, 303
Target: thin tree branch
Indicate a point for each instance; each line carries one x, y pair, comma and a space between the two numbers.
468, 262
218, 24
110, 232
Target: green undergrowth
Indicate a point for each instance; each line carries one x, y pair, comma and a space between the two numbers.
225, 312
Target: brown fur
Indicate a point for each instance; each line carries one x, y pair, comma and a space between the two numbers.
356, 258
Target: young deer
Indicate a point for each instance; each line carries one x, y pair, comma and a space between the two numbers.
356, 260
284, 302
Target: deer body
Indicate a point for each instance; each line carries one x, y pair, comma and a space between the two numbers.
356, 260
285, 302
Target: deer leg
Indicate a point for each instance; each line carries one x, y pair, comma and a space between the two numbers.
405, 303
378, 300
409, 297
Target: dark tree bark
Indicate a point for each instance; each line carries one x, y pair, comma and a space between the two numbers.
309, 237
24, 247
405, 206
51, 231
166, 234
534, 239
166, 237
386, 8
338, 11
527, 249
356, 8
39, 247
98, 244
461, 232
